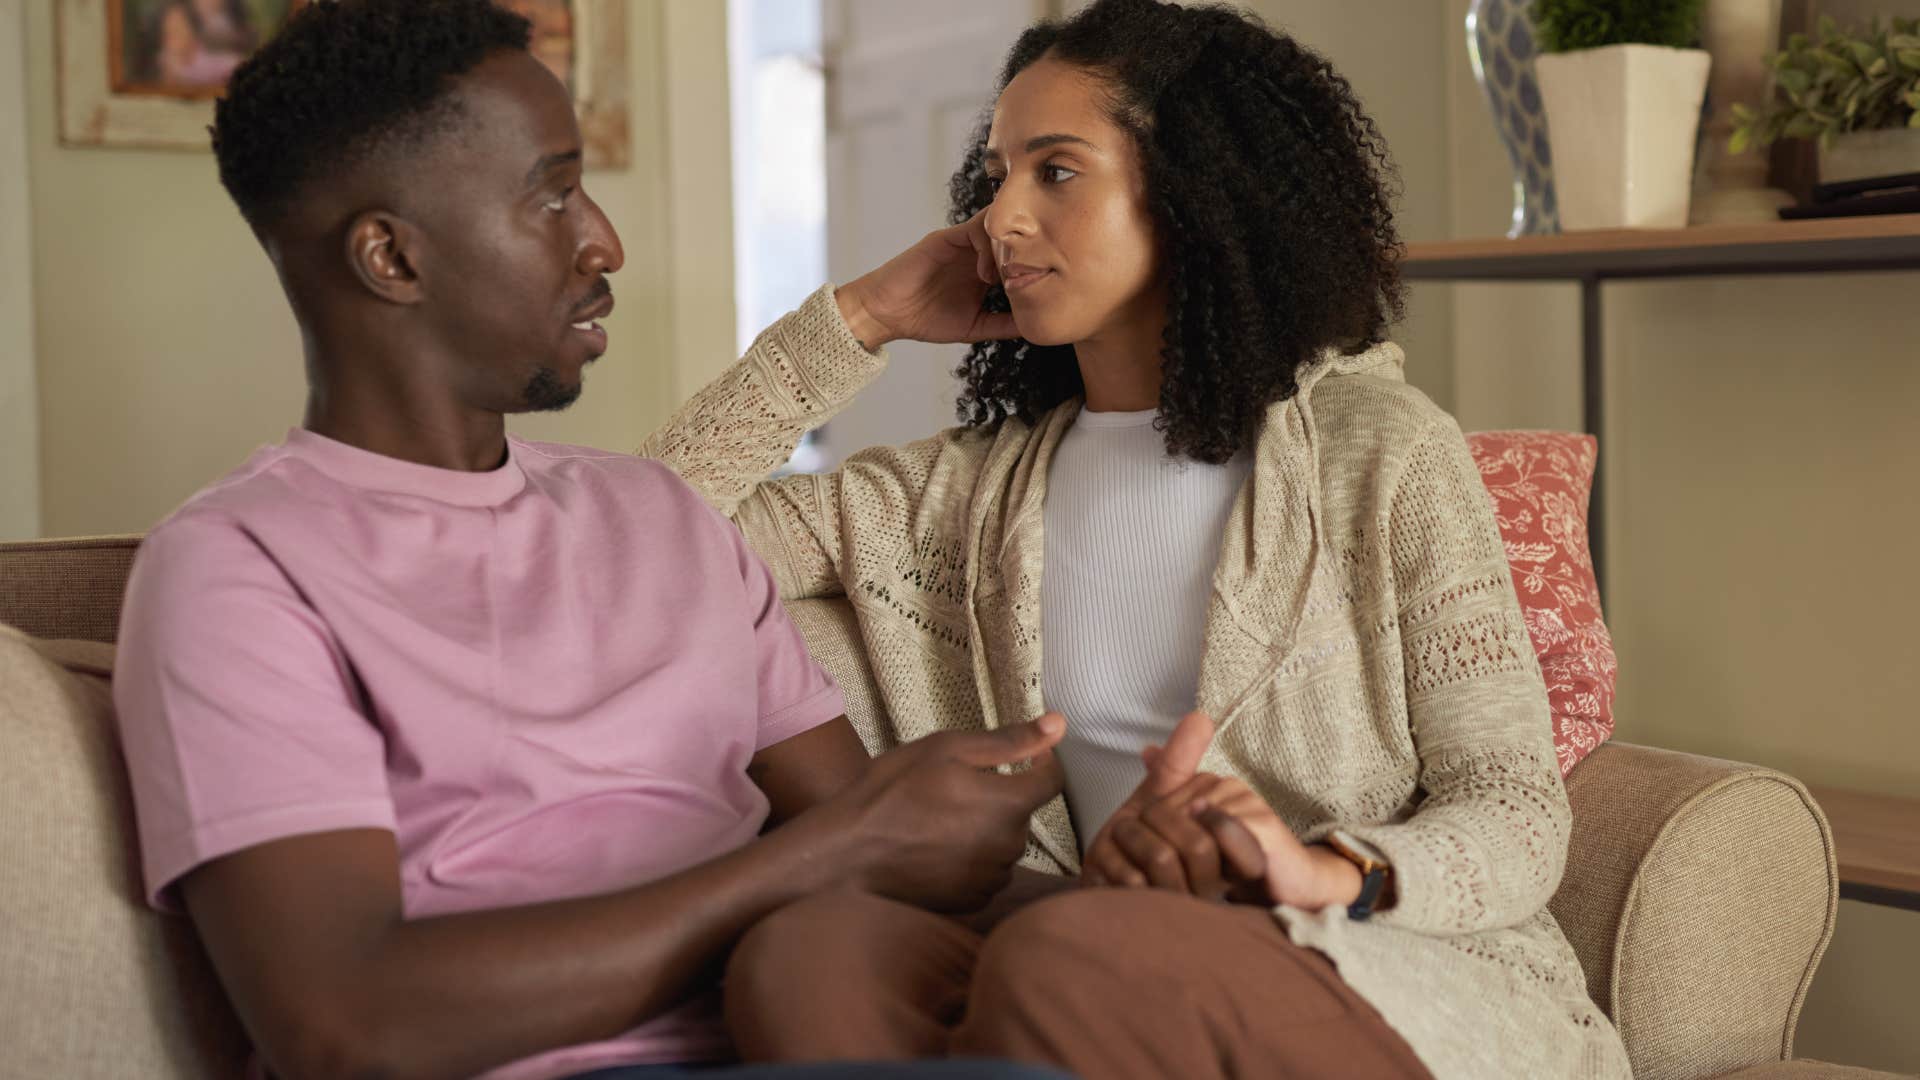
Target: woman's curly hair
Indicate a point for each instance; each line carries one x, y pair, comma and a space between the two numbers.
1271, 193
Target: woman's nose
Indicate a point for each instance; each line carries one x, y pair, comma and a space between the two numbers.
1008, 216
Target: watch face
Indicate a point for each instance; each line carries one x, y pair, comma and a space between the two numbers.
1363, 854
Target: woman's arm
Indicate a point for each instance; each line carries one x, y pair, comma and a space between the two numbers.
1487, 845
739, 428
735, 431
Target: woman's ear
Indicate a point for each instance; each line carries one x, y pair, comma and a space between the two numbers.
384, 253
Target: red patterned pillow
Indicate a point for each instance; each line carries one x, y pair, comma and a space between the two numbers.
1538, 482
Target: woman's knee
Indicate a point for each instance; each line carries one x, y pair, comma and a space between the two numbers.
1075, 936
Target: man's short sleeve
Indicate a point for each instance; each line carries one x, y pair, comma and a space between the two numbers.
795, 694
236, 706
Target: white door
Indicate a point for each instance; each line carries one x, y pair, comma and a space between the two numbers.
906, 82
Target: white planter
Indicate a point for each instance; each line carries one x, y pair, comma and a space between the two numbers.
1622, 121
1865, 154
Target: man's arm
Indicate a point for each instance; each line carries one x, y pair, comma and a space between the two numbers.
309, 939
808, 769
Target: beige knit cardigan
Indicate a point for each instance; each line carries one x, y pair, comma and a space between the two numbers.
1364, 657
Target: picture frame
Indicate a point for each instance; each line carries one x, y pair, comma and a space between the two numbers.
145, 73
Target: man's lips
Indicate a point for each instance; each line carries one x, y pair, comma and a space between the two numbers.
599, 308
1020, 275
586, 320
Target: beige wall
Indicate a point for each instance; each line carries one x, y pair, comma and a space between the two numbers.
1762, 453
165, 349
19, 398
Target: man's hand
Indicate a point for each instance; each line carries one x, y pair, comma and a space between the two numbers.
930, 292
932, 823
1128, 851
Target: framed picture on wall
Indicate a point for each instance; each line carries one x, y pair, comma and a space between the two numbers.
146, 72
185, 49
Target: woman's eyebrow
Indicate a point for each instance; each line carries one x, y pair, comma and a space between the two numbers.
1041, 142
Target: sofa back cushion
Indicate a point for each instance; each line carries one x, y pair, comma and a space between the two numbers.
1539, 483
96, 983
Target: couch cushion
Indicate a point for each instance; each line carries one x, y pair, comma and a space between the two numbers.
67, 588
96, 984
1539, 482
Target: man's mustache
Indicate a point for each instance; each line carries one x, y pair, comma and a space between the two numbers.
600, 291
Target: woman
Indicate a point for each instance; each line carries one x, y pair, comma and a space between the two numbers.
1195, 481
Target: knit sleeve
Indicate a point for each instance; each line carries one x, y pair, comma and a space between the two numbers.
730, 436
1486, 845
736, 430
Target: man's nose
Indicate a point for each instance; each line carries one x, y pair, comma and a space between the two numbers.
600, 250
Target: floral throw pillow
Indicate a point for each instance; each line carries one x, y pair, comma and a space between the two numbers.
1538, 482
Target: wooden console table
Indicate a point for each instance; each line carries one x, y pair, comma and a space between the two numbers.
1877, 836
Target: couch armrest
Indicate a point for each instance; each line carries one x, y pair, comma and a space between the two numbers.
1699, 895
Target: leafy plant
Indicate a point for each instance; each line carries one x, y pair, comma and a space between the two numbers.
1841, 83
1567, 25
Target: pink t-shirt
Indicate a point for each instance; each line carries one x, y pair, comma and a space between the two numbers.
546, 681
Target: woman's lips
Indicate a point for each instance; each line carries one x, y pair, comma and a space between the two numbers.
1020, 276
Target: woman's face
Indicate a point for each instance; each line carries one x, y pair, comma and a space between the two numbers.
1069, 222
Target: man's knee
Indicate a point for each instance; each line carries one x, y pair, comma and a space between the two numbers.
827, 930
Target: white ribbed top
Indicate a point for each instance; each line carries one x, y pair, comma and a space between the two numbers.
1132, 539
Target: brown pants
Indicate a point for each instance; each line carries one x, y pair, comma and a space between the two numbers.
1105, 983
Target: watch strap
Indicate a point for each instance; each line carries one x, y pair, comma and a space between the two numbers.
1373, 867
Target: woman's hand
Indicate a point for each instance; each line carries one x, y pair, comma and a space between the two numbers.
1211, 836
1306, 876
930, 292
1174, 852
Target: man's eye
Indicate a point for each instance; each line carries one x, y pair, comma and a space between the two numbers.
558, 203
1054, 174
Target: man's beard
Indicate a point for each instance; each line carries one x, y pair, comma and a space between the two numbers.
546, 393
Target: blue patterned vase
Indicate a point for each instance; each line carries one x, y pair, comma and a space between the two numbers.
1500, 43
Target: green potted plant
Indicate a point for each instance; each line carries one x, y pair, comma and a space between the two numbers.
1622, 82
1856, 92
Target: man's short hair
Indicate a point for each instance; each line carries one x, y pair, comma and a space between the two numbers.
342, 80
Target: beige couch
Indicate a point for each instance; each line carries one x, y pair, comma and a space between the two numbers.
1700, 894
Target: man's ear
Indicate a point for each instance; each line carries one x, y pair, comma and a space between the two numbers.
384, 252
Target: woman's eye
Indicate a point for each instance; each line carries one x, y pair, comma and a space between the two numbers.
558, 203
1054, 174
994, 182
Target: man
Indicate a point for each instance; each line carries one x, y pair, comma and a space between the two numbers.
467, 754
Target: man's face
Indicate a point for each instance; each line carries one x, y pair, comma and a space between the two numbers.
516, 281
